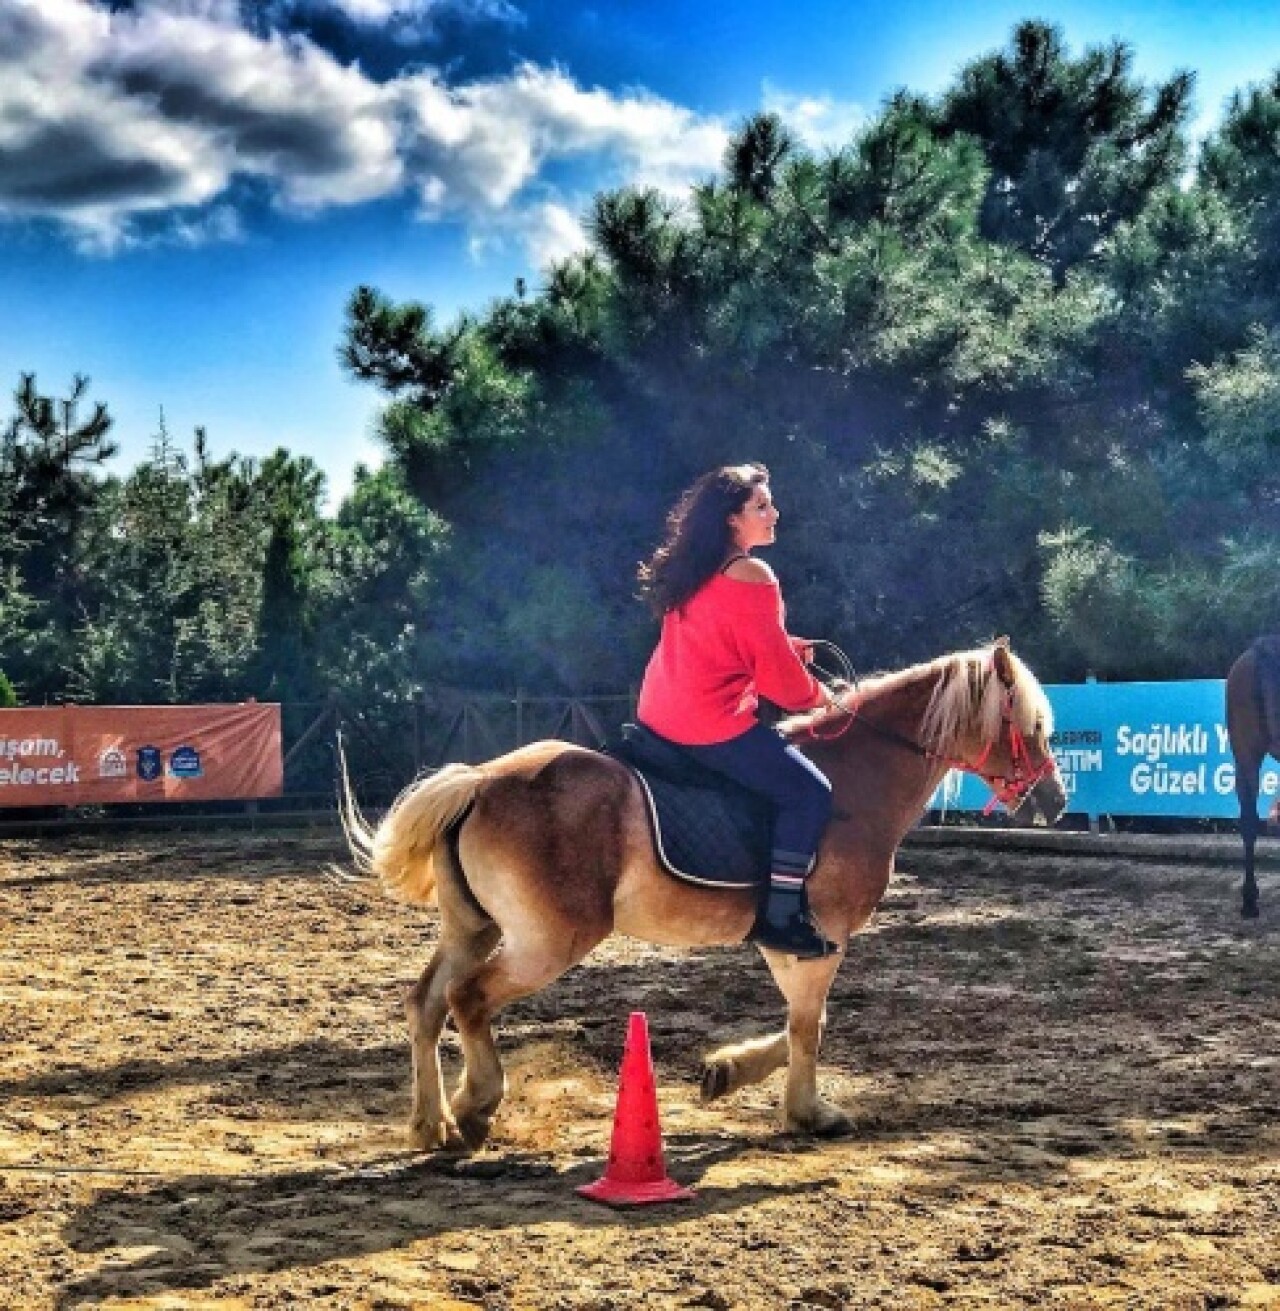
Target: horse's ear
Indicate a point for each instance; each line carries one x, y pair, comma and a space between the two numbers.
1001, 661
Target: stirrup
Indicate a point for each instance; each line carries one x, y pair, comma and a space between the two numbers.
798, 937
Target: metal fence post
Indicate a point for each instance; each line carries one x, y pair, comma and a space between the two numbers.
1093, 815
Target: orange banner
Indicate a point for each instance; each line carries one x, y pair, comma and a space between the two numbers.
88, 755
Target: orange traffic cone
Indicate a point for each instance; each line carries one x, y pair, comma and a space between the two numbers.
636, 1172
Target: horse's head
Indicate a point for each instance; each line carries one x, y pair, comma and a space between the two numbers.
990, 717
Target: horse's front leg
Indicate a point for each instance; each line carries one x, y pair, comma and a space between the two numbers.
805, 985
1250, 826
729, 1068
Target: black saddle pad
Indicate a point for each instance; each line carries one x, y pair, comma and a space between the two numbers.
706, 829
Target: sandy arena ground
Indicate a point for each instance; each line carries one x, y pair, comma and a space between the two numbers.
1063, 1071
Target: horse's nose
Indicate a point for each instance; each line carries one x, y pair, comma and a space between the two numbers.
1044, 804
1051, 798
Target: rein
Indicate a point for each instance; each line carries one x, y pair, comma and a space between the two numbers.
1009, 791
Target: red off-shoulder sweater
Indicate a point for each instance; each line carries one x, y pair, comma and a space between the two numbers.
718, 654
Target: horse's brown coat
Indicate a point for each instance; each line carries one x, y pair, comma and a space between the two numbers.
555, 854
1252, 700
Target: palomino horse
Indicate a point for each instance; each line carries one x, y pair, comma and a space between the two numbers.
541, 854
1253, 727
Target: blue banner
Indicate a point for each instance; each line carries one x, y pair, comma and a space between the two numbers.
1140, 749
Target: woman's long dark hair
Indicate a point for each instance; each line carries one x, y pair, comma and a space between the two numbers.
698, 535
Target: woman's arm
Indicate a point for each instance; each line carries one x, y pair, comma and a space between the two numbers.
776, 666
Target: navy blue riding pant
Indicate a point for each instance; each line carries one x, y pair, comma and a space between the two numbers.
762, 761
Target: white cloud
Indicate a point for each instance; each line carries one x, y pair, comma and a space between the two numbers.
418, 14
821, 122
110, 121
548, 231
103, 234
381, 12
214, 11
552, 233
476, 146
107, 117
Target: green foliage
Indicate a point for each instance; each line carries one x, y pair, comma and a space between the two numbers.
1093, 597
1181, 618
176, 553
992, 351
1241, 162
49, 458
8, 697
1013, 368
376, 619
1240, 404
1075, 146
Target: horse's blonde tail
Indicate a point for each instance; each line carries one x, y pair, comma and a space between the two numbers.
400, 850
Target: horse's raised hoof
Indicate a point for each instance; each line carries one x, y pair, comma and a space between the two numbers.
717, 1080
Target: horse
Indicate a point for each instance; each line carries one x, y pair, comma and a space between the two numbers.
537, 856
1253, 729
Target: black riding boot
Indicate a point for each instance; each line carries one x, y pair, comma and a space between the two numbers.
784, 924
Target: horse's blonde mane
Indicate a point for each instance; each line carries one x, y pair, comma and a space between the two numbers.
965, 708
969, 700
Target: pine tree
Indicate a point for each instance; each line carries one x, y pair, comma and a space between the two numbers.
1075, 146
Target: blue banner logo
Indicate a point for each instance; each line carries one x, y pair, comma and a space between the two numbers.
148, 765
185, 763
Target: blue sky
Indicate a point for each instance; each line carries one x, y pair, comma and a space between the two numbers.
191, 189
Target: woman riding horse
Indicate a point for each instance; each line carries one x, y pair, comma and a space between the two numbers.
539, 855
724, 645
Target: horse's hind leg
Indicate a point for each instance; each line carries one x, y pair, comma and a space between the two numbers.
1247, 773
430, 1124
805, 986
520, 967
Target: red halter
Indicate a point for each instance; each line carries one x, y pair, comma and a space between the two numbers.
1008, 790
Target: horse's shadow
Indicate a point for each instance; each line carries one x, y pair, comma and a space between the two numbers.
197, 1230
307, 1080
1025, 1129
145, 858
227, 1226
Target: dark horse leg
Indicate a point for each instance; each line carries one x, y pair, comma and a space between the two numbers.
1250, 738
1247, 774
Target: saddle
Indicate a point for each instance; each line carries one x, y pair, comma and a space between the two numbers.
707, 829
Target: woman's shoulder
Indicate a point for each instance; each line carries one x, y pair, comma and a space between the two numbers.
747, 569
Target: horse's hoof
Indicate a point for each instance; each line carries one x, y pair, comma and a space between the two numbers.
474, 1130
472, 1122
1249, 910
839, 1125
715, 1080
825, 1122
443, 1135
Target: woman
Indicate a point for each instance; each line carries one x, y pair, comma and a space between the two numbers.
723, 646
